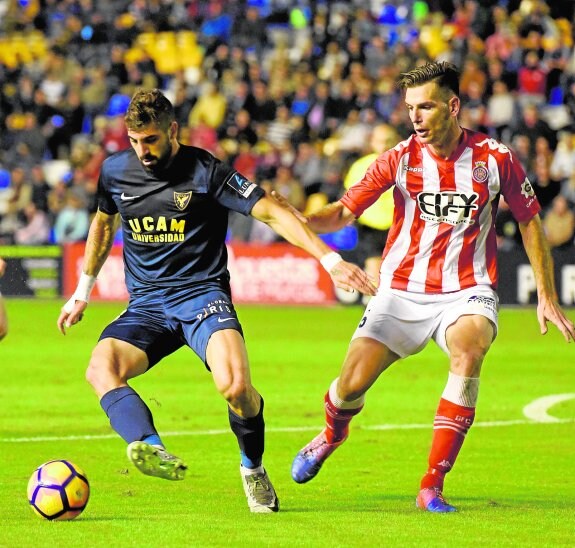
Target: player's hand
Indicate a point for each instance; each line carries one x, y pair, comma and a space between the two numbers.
2, 267
549, 310
286, 205
72, 312
350, 277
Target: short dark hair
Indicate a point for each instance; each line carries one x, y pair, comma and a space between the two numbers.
149, 107
445, 74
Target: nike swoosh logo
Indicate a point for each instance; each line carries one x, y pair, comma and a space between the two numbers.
124, 197
220, 320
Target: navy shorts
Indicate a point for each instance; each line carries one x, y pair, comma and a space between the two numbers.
162, 321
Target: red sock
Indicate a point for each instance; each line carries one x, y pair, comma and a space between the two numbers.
450, 426
337, 420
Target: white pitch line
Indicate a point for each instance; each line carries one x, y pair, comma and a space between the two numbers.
89, 437
538, 410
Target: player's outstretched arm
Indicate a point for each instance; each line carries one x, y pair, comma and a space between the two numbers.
330, 218
344, 275
98, 246
539, 254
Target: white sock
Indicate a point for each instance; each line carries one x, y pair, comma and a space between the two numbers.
249, 471
341, 404
461, 390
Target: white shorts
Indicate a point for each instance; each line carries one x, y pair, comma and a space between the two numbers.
405, 321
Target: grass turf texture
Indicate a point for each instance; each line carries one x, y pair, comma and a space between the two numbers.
513, 484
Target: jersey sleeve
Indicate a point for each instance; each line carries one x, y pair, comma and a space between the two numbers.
378, 178
233, 191
517, 189
105, 202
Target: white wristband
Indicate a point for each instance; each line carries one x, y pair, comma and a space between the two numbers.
329, 260
82, 293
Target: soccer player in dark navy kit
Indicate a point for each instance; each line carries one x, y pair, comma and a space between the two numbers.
172, 202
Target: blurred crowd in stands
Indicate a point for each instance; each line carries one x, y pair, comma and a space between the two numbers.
286, 91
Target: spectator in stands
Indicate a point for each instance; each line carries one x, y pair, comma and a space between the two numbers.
259, 104
40, 188
183, 104
279, 130
101, 82
249, 32
531, 81
522, 146
563, 161
239, 131
36, 227
286, 185
350, 137
209, 109
19, 196
72, 221
546, 188
501, 109
32, 138
559, 223
57, 198
236, 102
474, 108
320, 115
67, 123
308, 167
530, 123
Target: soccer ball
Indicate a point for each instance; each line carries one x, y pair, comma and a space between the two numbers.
58, 490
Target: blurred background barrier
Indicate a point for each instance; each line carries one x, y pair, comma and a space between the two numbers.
32, 271
274, 273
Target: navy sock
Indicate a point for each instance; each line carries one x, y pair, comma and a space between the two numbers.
128, 414
250, 434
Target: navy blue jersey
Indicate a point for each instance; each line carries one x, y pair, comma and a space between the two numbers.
174, 223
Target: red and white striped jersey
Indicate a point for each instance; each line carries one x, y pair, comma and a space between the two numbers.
443, 236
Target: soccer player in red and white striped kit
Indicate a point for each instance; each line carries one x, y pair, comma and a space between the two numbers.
438, 277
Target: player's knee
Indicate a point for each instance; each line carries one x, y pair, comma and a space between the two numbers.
3, 331
93, 373
99, 372
235, 392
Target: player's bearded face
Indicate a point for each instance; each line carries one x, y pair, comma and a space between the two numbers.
153, 147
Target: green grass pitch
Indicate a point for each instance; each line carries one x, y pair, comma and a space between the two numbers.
513, 483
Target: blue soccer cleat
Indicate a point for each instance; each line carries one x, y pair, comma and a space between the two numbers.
310, 459
431, 499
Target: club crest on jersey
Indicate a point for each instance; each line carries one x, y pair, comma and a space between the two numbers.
182, 199
241, 185
480, 172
